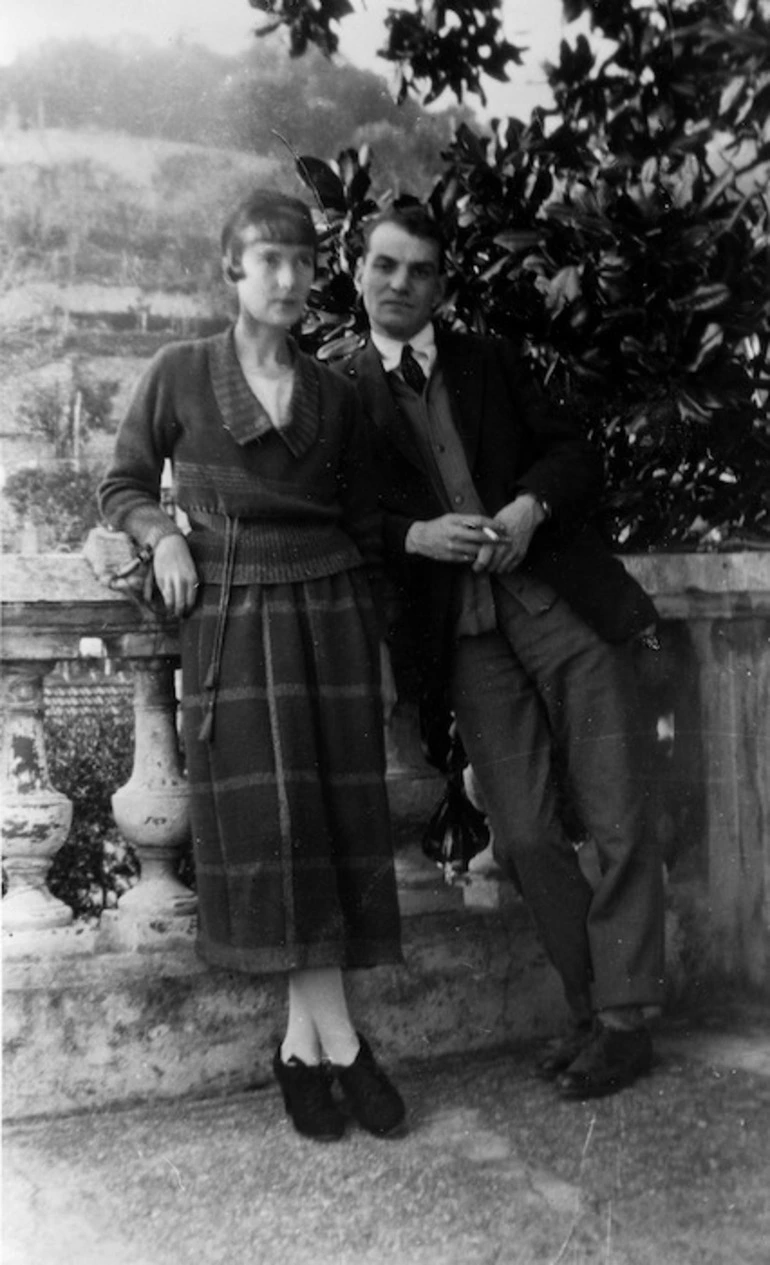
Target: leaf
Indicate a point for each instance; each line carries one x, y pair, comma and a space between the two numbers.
325, 183
515, 240
561, 289
494, 269
467, 141
704, 299
690, 408
712, 338
730, 94
724, 181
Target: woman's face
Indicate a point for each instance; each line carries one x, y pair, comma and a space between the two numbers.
276, 279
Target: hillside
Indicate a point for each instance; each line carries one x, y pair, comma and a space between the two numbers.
108, 249
186, 93
108, 210
136, 159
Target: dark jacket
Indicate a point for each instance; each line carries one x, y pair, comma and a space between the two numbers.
513, 443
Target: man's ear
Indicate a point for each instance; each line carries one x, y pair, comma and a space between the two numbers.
440, 289
358, 273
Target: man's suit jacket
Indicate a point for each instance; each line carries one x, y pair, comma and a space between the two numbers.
513, 443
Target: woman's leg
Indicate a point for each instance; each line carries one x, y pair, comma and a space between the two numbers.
304, 1082
319, 1021
320, 1025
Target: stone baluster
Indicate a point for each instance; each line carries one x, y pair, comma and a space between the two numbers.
152, 809
36, 818
733, 657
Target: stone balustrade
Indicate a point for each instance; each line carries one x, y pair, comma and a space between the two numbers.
51, 604
709, 688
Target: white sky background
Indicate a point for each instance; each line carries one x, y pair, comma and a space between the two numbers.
227, 25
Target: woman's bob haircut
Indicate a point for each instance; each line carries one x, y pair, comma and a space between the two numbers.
277, 216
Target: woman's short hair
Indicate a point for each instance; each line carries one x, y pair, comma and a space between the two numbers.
279, 216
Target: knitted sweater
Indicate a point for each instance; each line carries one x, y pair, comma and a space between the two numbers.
303, 496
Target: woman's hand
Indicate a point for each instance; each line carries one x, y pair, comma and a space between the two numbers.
175, 574
387, 684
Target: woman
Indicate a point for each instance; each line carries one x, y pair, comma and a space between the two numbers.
282, 663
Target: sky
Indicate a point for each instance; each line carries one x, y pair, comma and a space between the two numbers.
227, 25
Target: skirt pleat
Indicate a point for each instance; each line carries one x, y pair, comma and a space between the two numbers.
291, 827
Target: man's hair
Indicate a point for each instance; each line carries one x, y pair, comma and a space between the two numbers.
279, 218
413, 219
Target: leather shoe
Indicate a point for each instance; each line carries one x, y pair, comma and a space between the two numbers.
611, 1060
373, 1100
562, 1052
308, 1099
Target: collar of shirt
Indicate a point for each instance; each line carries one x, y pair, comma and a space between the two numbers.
423, 345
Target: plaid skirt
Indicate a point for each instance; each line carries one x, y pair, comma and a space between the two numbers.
291, 828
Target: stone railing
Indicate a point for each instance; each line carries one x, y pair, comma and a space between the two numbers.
125, 1012
717, 607
51, 605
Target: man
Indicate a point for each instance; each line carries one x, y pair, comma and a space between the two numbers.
523, 617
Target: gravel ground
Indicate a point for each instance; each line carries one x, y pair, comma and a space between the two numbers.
495, 1170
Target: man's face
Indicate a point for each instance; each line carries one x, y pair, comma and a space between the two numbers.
400, 281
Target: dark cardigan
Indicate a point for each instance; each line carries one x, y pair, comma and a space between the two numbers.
304, 496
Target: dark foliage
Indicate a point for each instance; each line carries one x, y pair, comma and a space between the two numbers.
90, 757
626, 242
60, 497
61, 501
434, 46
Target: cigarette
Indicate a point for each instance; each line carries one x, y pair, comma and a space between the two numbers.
497, 537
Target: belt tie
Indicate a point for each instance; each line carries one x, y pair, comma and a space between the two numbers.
211, 683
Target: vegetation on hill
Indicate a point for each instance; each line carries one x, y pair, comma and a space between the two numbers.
187, 93
236, 120
58, 498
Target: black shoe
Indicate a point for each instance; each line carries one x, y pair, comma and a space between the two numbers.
562, 1052
375, 1103
308, 1099
612, 1059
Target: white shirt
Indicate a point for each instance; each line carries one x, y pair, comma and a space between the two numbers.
423, 345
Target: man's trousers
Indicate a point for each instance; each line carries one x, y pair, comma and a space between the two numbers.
547, 683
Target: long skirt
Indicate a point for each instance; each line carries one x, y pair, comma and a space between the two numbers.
291, 830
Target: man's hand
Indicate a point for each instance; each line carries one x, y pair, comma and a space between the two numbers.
457, 538
517, 522
175, 574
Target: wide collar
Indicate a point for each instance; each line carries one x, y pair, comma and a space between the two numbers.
460, 364
242, 414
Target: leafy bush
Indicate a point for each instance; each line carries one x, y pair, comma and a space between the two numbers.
90, 757
64, 413
62, 501
625, 242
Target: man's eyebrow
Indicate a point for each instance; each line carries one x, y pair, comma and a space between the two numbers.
412, 264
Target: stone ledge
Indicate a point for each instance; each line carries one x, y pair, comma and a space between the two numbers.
96, 1031
89, 1031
